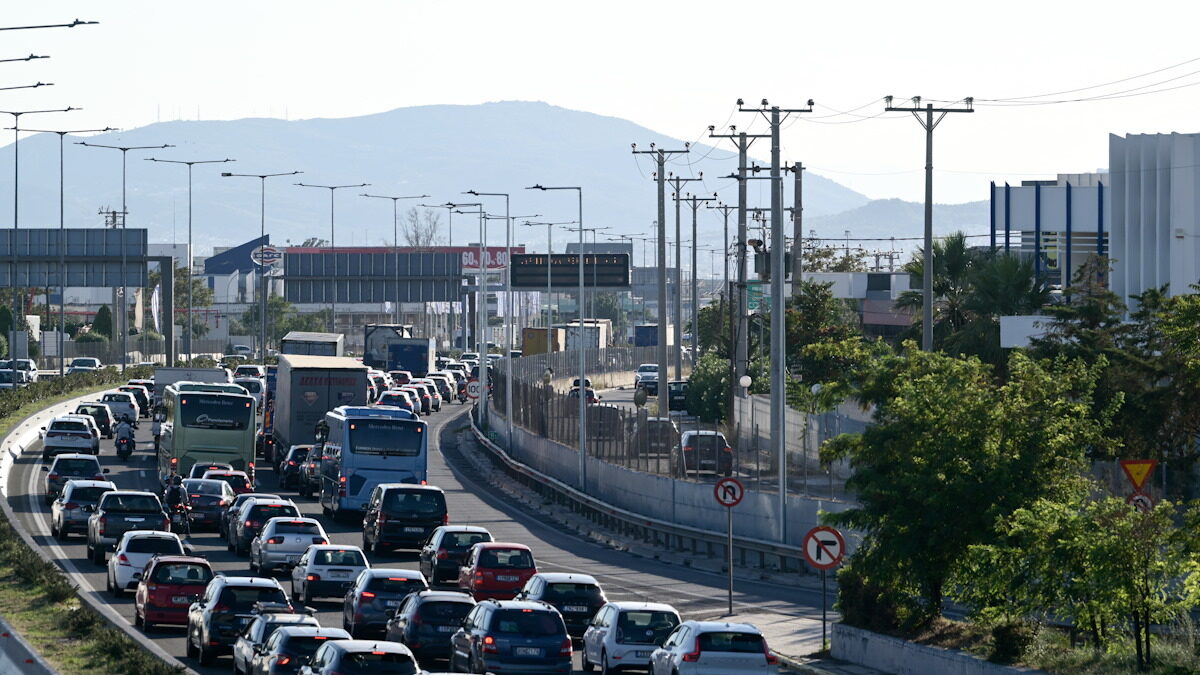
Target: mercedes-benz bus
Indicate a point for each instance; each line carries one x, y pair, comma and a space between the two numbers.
206, 423
366, 446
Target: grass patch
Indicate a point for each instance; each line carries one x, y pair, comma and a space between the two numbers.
38, 599
1051, 651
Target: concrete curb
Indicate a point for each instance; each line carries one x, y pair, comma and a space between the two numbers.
23, 435
799, 666
18, 656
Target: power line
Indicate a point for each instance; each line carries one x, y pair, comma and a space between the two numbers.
1096, 86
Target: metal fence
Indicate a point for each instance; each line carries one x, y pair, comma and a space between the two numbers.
139, 350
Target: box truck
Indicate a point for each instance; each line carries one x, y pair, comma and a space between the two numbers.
307, 387
389, 346
543, 340
313, 344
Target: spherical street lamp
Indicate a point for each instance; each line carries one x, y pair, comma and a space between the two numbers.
745, 382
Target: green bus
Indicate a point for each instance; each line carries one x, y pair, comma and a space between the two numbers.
206, 423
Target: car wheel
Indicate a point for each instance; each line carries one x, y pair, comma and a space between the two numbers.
308, 598
146, 625
366, 544
191, 646
604, 669
255, 567
587, 665
205, 655
295, 596
229, 542
114, 589
98, 555
238, 547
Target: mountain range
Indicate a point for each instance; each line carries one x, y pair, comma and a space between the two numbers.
440, 150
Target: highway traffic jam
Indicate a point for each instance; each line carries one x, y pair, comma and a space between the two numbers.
301, 518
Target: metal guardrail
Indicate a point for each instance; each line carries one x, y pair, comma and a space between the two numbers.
790, 558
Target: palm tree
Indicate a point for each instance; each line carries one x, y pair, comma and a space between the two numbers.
1001, 285
952, 263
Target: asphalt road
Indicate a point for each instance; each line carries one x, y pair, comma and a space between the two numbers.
696, 594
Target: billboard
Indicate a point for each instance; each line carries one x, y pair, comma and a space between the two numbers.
561, 270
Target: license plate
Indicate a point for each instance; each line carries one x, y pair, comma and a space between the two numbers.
574, 608
643, 654
338, 574
507, 578
134, 520
447, 629
527, 651
181, 599
414, 529
293, 559
394, 603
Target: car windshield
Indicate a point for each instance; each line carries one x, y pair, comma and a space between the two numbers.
93, 410
117, 398
377, 662
127, 503
164, 545
527, 622
396, 584
506, 558
445, 612
189, 574
339, 557
414, 503
677, 387
267, 511
88, 494
645, 627
647, 368
204, 487
252, 386
464, 539
562, 592
303, 645
234, 480
242, 598
69, 426
76, 467
229, 412
299, 454
730, 641
85, 363
294, 527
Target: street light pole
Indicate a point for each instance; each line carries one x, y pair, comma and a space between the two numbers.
395, 238
332, 248
189, 244
582, 360
124, 322
480, 310
458, 295
549, 257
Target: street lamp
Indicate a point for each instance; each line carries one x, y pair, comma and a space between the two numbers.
582, 361
189, 246
124, 322
262, 236
549, 256
480, 306
73, 24
395, 237
62, 244
332, 247
458, 294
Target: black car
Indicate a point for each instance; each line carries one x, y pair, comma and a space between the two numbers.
308, 481
577, 597
290, 647
425, 621
288, 471
361, 656
209, 499
401, 515
376, 593
216, 620
446, 550
677, 395
233, 510
511, 636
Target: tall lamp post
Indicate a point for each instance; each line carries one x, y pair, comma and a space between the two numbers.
62, 244
189, 245
332, 247
262, 237
458, 294
549, 256
124, 322
480, 306
582, 361
395, 237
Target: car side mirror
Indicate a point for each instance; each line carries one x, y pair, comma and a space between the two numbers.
104, 471
189, 549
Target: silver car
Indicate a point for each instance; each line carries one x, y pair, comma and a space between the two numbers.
701, 647
67, 514
626, 634
282, 541
69, 433
70, 466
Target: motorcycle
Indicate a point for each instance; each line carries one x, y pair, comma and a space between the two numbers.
180, 521
462, 393
124, 447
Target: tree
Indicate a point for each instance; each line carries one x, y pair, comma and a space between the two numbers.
952, 453
282, 318
419, 229
825, 258
998, 285
202, 296
952, 266
708, 388
713, 329
102, 323
6, 321
608, 306
815, 316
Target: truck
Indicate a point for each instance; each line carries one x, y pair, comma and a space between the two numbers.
646, 335
390, 346
592, 335
543, 340
307, 387
313, 344
166, 376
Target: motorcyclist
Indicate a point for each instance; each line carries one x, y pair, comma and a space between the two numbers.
156, 426
174, 494
123, 431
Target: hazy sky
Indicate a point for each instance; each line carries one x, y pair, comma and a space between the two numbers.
675, 67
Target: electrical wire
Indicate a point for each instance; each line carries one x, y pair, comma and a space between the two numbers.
1097, 86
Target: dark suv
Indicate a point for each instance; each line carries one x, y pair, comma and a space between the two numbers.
425, 621
401, 515
446, 551
577, 597
217, 619
376, 594
511, 636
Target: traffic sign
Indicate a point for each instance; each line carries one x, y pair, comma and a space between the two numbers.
266, 256
729, 492
474, 388
1138, 471
1141, 502
824, 547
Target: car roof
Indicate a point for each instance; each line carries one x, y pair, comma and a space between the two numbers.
201, 481
394, 572
257, 495
257, 582
711, 626
291, 519
410, 486
176, 559
334, 547
523, 604
272, 500
634, 606
149, 534
501, 544
564, 577
307, 631
226, 472
463, 528
370, 645
702, 432
92, 483
76, 455
132, 492
67, 418
441, 594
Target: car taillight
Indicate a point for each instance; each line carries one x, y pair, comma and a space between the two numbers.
688, 448
565, 650
442, 554
771, 658
489, 645
693, 655
313, 577
98, 476
122, 560
728, 449
103, 525
53, 476
320, 540
252, 523
366, 598
275, 540
221, 608
222, 502
283, 660
194, 496
446, 519
381, 519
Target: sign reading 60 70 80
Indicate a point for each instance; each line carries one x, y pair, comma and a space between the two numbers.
561, 270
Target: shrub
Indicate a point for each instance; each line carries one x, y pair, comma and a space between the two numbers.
91, 337
1010, 640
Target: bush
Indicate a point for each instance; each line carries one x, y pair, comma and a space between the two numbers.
91, 337
870, 605
1009, 641
708, 388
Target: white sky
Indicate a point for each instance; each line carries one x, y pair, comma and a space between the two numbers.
675, 67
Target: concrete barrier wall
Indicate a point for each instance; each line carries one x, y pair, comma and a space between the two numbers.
17, 655
901, 657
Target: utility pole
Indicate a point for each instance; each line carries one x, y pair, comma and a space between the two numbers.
741, 347
728, 302
695, 202
677, 183
660, 177
797, 229
929, 124
775, 116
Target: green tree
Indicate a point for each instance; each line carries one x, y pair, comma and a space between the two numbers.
953, 261
282, 318
708, 388
952, 453
102, 323
815, 316
713, 329
6, 321
999, 285
608, 306
826, 258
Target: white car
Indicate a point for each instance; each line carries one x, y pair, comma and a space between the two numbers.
122, 404
133, 551
27, 370
326, 571
701, 647
282, 541
626, 633
70, 433
89, 362
255, 386
250, 370
647, 372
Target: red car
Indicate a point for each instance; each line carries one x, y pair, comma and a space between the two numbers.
238, 480
496, 570
167, 587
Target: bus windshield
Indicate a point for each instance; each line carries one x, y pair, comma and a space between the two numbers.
213, 411
398, 438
